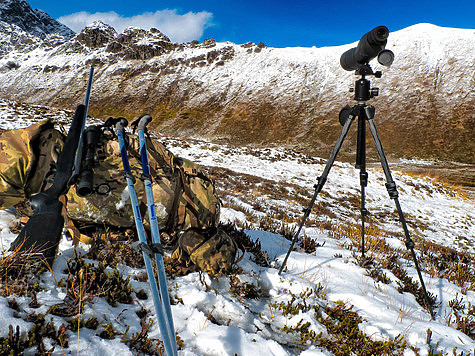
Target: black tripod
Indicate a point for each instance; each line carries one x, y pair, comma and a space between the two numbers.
365, 113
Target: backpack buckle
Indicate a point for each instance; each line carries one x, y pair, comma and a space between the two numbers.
151, 249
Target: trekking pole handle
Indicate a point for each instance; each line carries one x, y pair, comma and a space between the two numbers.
144, 120
121, 124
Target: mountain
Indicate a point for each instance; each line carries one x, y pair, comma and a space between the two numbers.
33, 21
253, 94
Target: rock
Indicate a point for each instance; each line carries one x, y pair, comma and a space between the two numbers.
96, 35
35, 22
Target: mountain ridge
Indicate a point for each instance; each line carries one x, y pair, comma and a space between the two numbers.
253, 94
34, 21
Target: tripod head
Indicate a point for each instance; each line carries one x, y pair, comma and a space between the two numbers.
363, 92
366, 70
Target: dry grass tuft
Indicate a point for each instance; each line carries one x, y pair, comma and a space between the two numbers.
19, 272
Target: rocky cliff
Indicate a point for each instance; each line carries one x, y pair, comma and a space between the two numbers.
34, 21
253, 94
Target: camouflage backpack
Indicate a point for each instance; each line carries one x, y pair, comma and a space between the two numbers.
185, 197
212, 251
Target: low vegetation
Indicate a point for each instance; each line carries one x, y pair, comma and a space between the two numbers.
99, 274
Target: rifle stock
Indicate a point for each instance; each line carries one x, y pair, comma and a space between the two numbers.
42, 232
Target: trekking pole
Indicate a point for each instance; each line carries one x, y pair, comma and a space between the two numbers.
162, 323
156, 247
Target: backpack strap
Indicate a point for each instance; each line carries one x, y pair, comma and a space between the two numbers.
163, 157
173, 217
188, 198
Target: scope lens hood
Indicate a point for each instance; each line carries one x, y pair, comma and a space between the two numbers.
386, 57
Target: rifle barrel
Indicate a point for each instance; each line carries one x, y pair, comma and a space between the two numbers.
78, 159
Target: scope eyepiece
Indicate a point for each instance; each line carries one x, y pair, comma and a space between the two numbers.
370, 45
378, 35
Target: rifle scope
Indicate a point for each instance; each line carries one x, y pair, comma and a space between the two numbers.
372, 44
85, 185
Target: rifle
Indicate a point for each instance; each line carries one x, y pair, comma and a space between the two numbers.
79, 151
42, 233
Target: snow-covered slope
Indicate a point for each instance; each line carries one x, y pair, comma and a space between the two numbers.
253, 94
255, 311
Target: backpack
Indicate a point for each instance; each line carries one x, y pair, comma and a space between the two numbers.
188, 206
212, 251
27, 161
184, 196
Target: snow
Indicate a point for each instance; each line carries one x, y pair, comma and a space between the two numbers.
310, 74
253, 326
457, 219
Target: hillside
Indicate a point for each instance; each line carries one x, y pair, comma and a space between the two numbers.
253, 94
326, 302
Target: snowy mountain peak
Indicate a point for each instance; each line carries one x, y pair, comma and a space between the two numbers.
139, 33
96, 35
100, 26
33, 21
425, 27
132, 43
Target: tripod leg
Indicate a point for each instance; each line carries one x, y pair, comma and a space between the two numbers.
393, 194
318, 187
364, 212
361, 165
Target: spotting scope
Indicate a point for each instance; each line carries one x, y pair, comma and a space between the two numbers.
372, 44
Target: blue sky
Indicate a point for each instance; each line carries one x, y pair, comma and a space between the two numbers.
276, 23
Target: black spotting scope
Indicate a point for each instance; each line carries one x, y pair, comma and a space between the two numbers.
372, 44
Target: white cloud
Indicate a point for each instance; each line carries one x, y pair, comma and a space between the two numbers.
179, 28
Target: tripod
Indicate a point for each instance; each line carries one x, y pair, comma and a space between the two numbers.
365, 113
